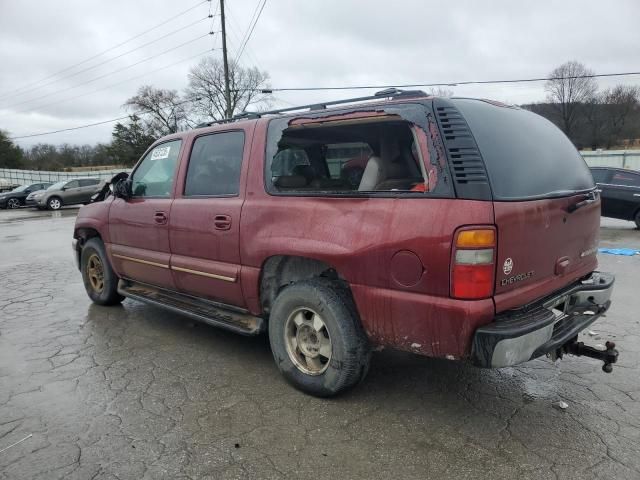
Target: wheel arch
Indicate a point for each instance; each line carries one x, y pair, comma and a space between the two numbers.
278, 271
82, 235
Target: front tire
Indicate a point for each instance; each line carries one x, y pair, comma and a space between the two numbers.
100, 281
637, 219
54, 203
316, 338
13, 203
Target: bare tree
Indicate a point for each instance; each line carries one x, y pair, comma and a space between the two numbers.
163, 111
207, 93
569, 87
619, 102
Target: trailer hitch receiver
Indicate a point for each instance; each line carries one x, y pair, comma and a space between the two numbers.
609, 356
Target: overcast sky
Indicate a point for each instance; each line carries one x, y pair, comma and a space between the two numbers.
299, 43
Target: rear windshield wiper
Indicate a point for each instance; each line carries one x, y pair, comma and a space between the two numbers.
588, 198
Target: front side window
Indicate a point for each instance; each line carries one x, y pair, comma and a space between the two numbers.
155, 174
214, 165
72, 184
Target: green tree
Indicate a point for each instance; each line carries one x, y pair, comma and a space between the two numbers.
11, 155
129, 141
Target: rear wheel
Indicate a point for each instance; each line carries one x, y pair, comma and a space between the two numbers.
13, 203
316, 338
637, 219
54, 203
100, 281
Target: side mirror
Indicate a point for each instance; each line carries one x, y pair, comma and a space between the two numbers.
63, 189
28, 190
121, 189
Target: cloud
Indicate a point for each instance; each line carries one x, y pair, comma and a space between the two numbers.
300, 43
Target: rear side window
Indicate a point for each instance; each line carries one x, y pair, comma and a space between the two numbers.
214, 165
626, 179
358, 157
525, 155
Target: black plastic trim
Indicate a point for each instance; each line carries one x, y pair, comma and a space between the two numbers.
465, 161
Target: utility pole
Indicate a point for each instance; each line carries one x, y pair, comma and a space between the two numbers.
227, 92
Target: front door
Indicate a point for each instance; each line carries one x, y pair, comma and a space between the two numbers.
204, 231
72, 192
139, 226
623, 191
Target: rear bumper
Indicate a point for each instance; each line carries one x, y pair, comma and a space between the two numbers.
544, 327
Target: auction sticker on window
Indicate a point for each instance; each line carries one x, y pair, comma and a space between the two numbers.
160, 153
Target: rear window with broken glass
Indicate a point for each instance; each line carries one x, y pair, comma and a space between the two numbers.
350, 156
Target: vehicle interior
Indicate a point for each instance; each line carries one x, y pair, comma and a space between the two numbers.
370, 155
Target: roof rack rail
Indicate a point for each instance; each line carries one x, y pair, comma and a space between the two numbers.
392, 93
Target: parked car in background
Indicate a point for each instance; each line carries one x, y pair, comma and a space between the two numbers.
69, 192
471, 235
17, 197
620, 192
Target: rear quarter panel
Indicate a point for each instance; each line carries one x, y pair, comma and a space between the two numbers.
359, 237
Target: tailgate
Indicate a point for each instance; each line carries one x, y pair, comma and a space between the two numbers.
537, 177
542, 247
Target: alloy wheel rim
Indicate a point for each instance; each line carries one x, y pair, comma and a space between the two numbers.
95, 273
13, 203
55, 204
308, 341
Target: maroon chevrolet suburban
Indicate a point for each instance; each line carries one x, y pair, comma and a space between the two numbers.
457, 228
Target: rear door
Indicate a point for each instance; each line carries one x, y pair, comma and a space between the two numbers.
547, 210
88, 186
204, 229
139, 226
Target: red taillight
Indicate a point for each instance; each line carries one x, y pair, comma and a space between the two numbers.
472, 272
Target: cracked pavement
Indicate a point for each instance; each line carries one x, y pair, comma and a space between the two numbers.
134, 392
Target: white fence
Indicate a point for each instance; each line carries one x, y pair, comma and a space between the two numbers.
612, 158
599, 158
22, 177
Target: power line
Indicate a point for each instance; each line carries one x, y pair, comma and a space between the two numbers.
235, 30
446, 84
105, 51
117, 83
111, 59
248, 36
91, 124
106, 74
69, 129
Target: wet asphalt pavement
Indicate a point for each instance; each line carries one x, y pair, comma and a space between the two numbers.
134, 392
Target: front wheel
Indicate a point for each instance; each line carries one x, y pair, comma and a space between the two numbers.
13, 203
100, 281
637, 219
54, 203
316, 338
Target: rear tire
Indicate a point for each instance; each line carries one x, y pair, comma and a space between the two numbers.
100, 281
637, 219
54, 203
316, 338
